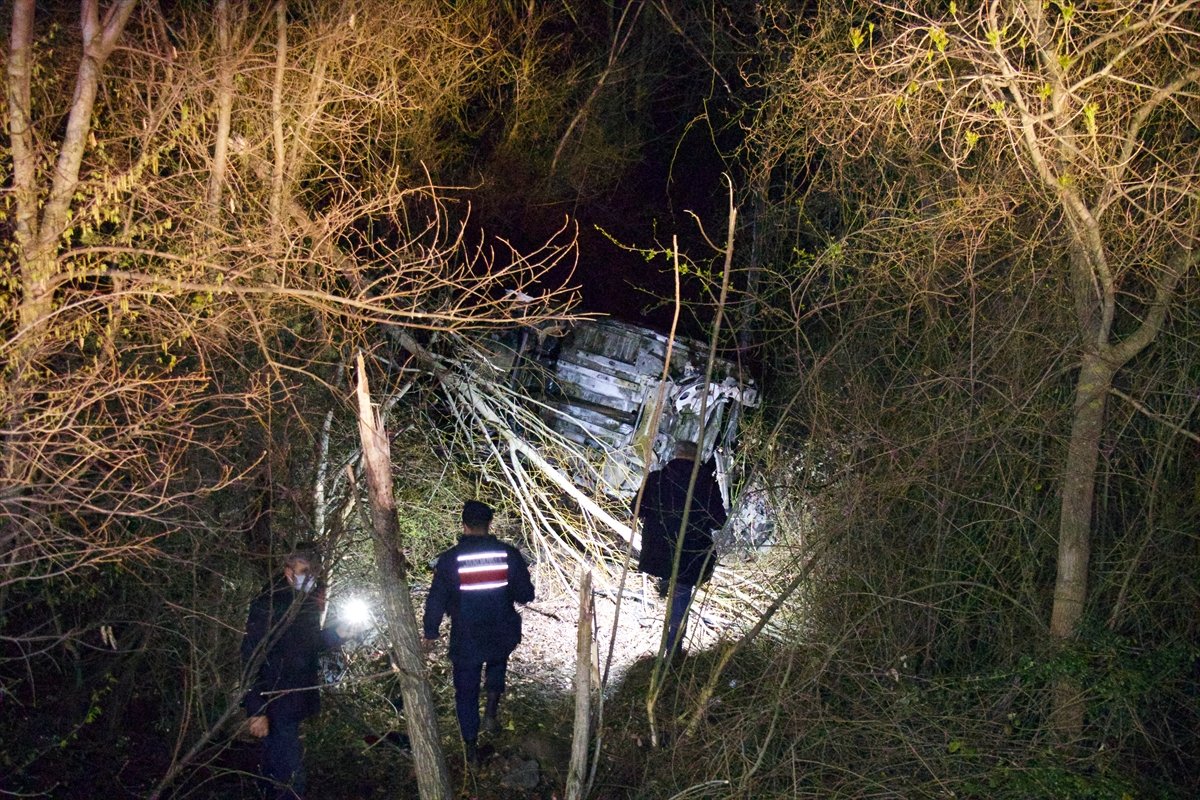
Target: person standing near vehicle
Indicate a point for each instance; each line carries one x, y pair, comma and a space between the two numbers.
280, 653
476, 583
665, 500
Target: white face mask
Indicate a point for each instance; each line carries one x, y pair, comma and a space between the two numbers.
303, 583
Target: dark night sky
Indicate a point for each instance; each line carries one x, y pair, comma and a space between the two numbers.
646, 210
679, 171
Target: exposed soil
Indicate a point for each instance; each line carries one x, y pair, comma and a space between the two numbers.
547, 654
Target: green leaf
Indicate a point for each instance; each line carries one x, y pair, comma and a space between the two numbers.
939, 38
1089, 116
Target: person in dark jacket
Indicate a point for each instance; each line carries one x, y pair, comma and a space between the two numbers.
664, 500
476, 583
280, 651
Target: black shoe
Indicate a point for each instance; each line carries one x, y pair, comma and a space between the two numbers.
490, 726
472, 753
674, 655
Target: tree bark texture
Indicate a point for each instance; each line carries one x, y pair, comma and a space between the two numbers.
1078, 494
420, 713
216, 180
1098, 366
281, 45
577, 770
1074, 533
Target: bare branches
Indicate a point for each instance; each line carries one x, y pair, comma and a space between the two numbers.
181, 309
620, 40
999, 90
972, 176
489, 412
1142, 409
37, 238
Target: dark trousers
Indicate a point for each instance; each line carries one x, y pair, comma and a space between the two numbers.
283, 760
681, 598
466, 691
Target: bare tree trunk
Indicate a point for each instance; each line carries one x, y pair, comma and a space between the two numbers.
320, 503
37, 239
1079, 487
277, 110
420, 713
583, 690
42, 214
1096, 372
216, 180
1074, 532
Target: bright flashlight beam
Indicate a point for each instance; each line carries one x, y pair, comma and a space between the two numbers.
356, 612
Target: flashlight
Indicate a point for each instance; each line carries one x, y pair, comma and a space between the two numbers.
356, 613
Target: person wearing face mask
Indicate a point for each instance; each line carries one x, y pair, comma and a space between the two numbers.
280, 651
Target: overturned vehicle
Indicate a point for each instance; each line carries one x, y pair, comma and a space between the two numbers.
607, 385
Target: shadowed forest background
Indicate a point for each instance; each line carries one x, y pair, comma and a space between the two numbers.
954, 245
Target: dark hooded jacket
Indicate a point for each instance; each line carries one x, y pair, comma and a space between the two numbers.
476, 582
291, 641
661, 512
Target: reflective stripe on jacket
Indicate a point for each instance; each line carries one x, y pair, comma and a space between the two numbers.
476, 583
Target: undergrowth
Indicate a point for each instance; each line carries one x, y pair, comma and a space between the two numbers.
820, 730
